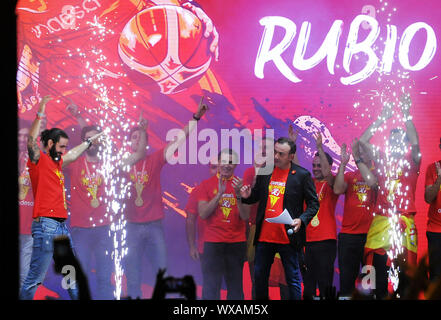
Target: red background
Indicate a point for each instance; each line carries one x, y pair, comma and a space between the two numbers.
241, 99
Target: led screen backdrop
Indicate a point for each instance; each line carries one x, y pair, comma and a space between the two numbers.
319, 65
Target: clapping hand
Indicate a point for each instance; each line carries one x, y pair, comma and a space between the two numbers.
344, 156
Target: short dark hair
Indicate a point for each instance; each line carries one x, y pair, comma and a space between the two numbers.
87, 129
53, 134
328, 157
292, 145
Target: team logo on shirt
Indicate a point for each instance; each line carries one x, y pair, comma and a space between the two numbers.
91, 182
226, 203
275, 189
361, 189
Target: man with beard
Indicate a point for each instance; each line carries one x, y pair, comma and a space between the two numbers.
321, 233
89, 220
50, 207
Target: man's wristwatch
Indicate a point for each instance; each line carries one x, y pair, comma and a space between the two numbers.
196, 118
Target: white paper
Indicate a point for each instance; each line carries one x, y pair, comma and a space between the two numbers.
283, 218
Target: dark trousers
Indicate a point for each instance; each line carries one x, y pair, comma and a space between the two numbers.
379, 263
434, 248
263, 261
350, 258
223, 260
319, 261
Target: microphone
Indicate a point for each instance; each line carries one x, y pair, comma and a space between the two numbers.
291, 231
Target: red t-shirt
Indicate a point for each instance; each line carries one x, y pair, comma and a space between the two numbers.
323, 226
397, 189
248, 179
192, 208
359, 202
48, 187
225, 224
145, 204
25, 197
434, 213
275, 232
87, 195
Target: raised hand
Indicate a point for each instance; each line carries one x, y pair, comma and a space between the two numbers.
43, 103
245, 191
222, 185
344, 156
318, 140
143, 122
292, 134
72, 108
97, 138
386, 112
202, 108
237, 185
405, 103
356, 148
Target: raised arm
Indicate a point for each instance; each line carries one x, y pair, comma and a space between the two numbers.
293, 136
140, 152
405, 104
386, 113
74, 153
340, 184
73, 109
431, 191
172, 146
33, 149
324, 164
368, 176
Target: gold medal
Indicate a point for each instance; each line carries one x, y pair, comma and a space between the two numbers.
23, 186
315, 221
23, 191
139, 178
139, 202
94, 203
91, 181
